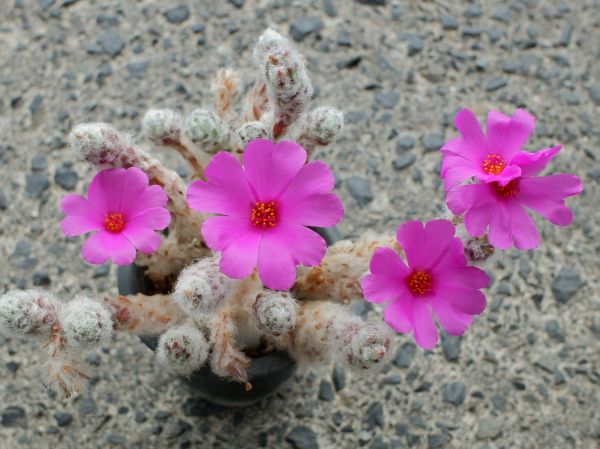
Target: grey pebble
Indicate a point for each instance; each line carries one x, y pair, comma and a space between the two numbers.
63, 419
415, 44
330, 8
199, 407
394, 379
554, 331
566, 284
302, 437
87, 406
36, 184
433, 141
66, 178
374, 416
473, 10
302, 27
326, 392
404, 144
110, 42
495, 84
565, 37
106, 20
387, 99
237, 3
178, 14
489, 428
372, 2
13, 367
338, 377
14, 416
547, 362
405, 355
403, 161
454, 392
501, 13
178, 428
449, 22
36, 105
117, 440
3, 201
138, 69
471, 32
140, 417
360, 189
451, 345
510, 66
378, 443
595, 93
436, 440
39, 162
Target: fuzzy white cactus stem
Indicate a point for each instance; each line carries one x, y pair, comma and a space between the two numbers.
182, 350
338, 276
85, 322
321, 127
258, 102
24, 312
225, 87
103, 146
326, 331
227, 359
287, 81
252, 130
275, 312
164, 127
208, 131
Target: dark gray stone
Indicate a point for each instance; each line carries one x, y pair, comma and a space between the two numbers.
433, 141
39, 162
378, 443
387, 99
565, 37
140, 417
454, 392
405, 355
111, 43
372, 2
495, 84
374, 417
41, 279
199, 408
415, 44
36, 105
138, 69
501, 13
554, 331
87, 406
36, 184
63, 419
510, 66
162, 415
451, 345
330, 8
326, 392
14, 416
178, 428
394, 379
495, 35
178, 14
344, 38
436, 440
117, 440
404, 144
566, 284
449, 22
13, 367
3, 201
66, 178
107, 20
93, 359
45, 4
101, 271
547, 362
237, 3
302, 27
472, 32
338, 376
595, 93
403, 161
360, 189
473, 10
302, 437
489, 429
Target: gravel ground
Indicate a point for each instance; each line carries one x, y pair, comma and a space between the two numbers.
528, 373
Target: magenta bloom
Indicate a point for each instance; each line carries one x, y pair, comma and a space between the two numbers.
497, 203
489, 157
437, 281
264, 209
123, 209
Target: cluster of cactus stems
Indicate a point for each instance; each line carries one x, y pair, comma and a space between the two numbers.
202, 316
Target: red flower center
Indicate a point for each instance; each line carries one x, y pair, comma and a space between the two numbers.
114, 222
420, 283
493, 164
509, 190
264, 215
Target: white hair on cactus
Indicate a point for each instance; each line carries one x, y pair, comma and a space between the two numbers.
252, 130
368, 345
275, 312
85, 322
28, 311
205, 128
182, 350
160, 125
201, 287
325, 124
98, 143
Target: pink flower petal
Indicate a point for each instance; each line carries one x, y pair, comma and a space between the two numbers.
507, 135
461, 198
465, 299
500, 234
456, 170
240, 256
143, 238
81, 217
467, 124
270, 167
306, 246
276, 265
380, 288
316, 210
545, 195
533, 163
524, 231
106, 190
387, 262
464, 276
153, 217
314, 178
411, 237
461, 148
398, 315
478, 218
134, 185
438, 236
218, 232
453, 321
151, 196
104, 245
509, 173
226, 192
424, 329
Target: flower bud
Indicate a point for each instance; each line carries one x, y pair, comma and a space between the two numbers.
369, 345
252, 130
206, 129
161, 125
478, 249
182, 350
28, 311
85, 322
275, 312
324, 124
98, 143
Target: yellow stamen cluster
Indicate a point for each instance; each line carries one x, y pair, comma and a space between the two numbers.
419, 283
493, 164
509, 190
264, 215
114, 222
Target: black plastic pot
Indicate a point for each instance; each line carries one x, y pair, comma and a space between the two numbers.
266, 373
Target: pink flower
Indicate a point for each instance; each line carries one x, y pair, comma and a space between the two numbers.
124, 211
437, 281
488, 157
264, 209
497, 203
